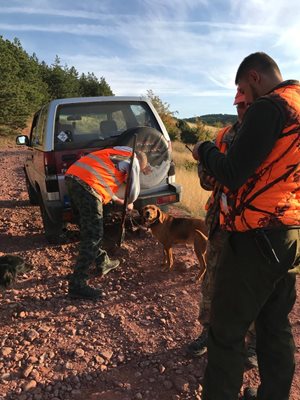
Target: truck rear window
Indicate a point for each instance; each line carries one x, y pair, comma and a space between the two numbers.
86, 124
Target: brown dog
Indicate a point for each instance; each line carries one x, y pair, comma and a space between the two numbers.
170, 230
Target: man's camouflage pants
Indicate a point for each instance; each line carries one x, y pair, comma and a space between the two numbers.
215, 246
90, 211
253, 285
213, 255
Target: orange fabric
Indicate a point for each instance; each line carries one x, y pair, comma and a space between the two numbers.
99, 171
223, 149
219, 140
271, 196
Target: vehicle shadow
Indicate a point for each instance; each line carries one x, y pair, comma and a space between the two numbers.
14, 203
32, 241
11, 152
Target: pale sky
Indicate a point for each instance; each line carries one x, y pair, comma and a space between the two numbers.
186, 51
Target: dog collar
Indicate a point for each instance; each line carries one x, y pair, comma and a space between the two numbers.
155, 222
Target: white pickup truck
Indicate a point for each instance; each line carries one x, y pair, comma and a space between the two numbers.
65, 129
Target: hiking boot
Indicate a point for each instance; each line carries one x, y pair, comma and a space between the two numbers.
199, 346
250, 394
107, 266
83, 291
251, 360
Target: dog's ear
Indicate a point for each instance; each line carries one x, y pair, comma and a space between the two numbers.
159, 215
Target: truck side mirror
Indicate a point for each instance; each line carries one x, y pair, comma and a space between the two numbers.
22, 140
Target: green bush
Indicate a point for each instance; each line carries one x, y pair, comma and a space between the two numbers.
190, 165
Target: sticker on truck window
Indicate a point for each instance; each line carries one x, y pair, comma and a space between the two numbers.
63, 136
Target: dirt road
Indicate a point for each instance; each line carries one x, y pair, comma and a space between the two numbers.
130, 345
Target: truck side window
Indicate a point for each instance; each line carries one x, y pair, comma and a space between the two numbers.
41, 126
33, 132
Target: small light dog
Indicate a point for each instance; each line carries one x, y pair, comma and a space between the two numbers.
170, 230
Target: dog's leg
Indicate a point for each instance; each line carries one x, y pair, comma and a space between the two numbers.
200, 243
202, 266
165, 258
170, 258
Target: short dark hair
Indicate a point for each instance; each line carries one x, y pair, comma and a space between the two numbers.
260, 62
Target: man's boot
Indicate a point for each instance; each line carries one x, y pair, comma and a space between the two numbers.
106, 266
199, 346
250, 394
83, 291
251, 357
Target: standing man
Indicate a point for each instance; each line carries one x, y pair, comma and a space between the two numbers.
261, 211
216, 240
92, 181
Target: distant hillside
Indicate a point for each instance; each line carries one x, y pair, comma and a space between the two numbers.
214, 119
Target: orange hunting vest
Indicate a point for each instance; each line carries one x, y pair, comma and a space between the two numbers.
99, 171
271, 196
223, 147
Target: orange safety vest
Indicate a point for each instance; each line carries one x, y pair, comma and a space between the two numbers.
271, 196
223, 147
99, 171
220, 143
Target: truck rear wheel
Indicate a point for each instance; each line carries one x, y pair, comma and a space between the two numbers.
32, 194
53, 230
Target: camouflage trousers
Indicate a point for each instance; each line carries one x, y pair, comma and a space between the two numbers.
215, 246
213, 255
90, 211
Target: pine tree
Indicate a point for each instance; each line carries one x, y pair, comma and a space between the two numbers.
89, 85
26, 84
21, 87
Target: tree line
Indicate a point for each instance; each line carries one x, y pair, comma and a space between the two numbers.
217, 120
183, 130
26, 83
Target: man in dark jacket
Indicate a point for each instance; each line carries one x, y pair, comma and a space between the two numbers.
260, 208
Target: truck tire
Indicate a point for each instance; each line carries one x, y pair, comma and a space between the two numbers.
52, 230
32, 194
153, 144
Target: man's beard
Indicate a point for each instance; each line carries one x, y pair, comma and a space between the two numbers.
254, 92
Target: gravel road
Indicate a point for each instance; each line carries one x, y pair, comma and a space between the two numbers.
130, 345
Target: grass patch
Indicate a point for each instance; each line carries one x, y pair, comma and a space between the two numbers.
7, 140
194, 197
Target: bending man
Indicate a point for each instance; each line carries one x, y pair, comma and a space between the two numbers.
92, 181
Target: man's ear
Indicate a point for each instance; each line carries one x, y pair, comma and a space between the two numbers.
254, 76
